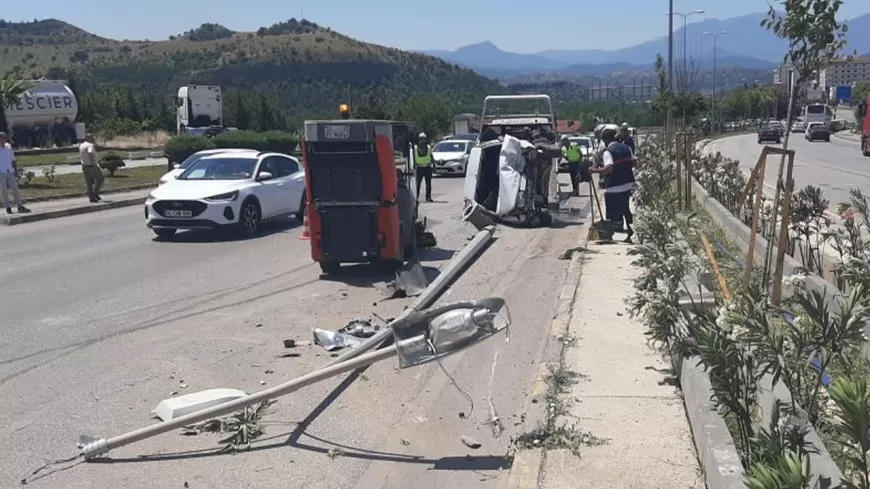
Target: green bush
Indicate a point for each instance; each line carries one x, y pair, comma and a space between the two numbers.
277, 141
111, 162
180, 148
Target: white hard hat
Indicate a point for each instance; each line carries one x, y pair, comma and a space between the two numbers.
422, 135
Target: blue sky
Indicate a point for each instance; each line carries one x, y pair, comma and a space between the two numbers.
440, 24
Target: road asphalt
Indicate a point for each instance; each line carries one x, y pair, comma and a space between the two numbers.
835, 167
101, 322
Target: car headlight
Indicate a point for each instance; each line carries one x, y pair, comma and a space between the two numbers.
224, 197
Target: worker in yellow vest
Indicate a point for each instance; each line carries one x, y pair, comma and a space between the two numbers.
423, 165
571, 152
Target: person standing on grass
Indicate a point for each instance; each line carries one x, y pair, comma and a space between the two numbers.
618, 172
8, 176
91, 169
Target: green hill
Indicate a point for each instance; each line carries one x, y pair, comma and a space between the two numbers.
304, 68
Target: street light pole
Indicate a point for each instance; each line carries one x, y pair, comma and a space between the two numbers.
683, 87
671, 45
714, 109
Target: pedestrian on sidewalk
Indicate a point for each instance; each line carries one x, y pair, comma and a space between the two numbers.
9, 176
91, 169
618, 172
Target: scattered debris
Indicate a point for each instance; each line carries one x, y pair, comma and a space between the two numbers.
258, 325
244, 426
348, 336
410, 281
270, 371
172, 375
461, 414
405, 442
288, 355
334, 452
173, 393
262, 382
333, 340
470, 442
360, 328
186, 484
569, 253
289, 344
182, 384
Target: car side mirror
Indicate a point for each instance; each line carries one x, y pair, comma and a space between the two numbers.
264, 175
176, 166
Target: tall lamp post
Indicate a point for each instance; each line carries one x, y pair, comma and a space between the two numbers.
714, 113
685, 17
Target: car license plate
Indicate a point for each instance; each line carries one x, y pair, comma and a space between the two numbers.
178, 213
440, 170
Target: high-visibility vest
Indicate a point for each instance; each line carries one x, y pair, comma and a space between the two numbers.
424, 159
571, 153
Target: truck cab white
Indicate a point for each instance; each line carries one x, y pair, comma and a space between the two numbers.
198, 107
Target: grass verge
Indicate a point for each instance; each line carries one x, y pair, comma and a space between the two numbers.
74, 183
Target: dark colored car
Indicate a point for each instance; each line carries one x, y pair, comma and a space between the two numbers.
769, 133
818, 132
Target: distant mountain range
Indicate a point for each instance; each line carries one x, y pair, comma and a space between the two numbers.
747, 45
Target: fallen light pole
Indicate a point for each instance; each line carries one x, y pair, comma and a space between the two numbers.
454, 269
420, 334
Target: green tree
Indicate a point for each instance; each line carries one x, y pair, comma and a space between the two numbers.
11, 87
814, 38
429, 113
663, 100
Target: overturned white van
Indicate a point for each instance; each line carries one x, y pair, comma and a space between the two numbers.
512, 169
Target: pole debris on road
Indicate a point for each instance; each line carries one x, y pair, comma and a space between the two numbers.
421, 336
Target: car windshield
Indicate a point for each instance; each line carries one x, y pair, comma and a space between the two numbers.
450, 147
192, 159
581, 142
220, 169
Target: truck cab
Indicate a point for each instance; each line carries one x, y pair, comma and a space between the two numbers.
198, 107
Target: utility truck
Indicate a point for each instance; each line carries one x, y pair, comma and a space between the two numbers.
199, 110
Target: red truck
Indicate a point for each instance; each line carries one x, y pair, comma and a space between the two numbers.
865, 126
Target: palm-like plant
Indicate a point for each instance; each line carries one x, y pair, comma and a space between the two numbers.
11, 88
852, 399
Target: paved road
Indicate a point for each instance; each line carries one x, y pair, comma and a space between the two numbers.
64, 169
100, 323
836, 167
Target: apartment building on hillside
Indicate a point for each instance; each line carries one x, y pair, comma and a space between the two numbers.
845, 71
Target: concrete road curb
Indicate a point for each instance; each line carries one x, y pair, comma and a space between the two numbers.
120, 190
526, 472
714, 445
72, 211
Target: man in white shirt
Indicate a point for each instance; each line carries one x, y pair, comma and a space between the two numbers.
618, 172
8, 179
91, 169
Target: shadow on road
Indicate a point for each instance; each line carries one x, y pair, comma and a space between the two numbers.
453, 463
284, 225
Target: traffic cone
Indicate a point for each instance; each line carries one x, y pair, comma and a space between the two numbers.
306, 231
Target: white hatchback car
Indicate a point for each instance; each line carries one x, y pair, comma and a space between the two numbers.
450, 157
179, 168
228, 189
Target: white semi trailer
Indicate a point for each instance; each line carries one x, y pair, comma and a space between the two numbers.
199, 109
45, 115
